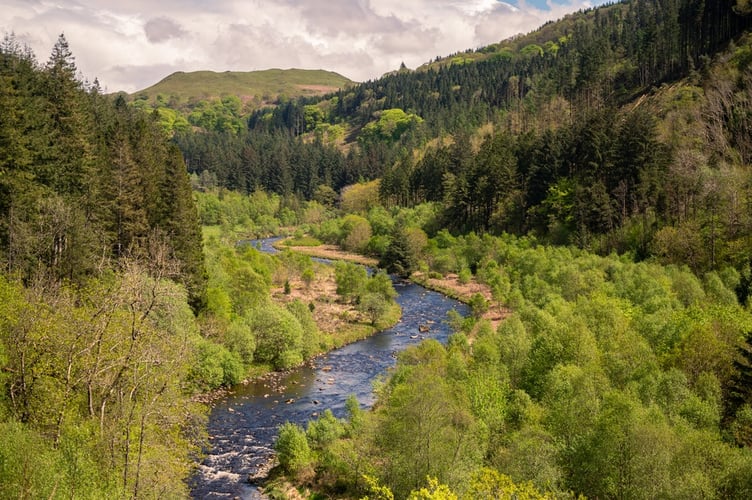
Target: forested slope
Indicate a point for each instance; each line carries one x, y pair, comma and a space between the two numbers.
610, 379
621, 128
86, 180
101, 255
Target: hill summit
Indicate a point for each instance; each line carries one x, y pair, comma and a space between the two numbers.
247, 85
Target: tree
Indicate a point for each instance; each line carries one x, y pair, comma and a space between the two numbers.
373, 305
423, 429
351, 280
279, 336
356, 232
404, 251
292, 449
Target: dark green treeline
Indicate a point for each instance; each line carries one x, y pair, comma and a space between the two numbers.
84, 180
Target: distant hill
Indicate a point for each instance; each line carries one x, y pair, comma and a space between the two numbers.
220, 101
247, 85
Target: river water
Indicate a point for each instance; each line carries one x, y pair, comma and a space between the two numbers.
243, 425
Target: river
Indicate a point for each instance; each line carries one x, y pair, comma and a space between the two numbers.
243, 425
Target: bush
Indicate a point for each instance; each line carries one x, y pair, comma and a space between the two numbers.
292, 449
308, 276
279, 336
465, 276
303, 314
216, 366
478, 304
325, 430
350, 278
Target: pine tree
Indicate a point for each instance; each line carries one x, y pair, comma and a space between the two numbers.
182, 225
740, 387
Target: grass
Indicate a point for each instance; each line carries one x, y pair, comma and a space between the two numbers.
352, 332
270, 83
302, 241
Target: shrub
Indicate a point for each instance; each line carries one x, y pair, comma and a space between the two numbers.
216, 366
279, 336
292, 449
478, 304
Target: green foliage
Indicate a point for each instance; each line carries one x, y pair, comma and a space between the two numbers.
355, 414
359, 197
323, 431
351, 280
123, 333
303, 314
303, 241
240, 340
355, 233
308, 276
216, 366
374, 296
292, 449
279, 336
90, 181
421, 420
374, 306
381, 284
478, 304
256, 212
609, 380
404, 253
31, 468
390, 126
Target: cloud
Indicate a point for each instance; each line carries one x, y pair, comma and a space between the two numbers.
125, 48
160, 29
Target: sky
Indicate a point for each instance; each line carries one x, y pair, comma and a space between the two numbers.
132, 44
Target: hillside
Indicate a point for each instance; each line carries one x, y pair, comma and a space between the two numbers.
212, 100
622, 128
265, 85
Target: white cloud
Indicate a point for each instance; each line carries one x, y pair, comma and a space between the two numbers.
131, 45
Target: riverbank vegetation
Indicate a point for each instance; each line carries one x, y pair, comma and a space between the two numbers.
610, 378
275, 311
115, 312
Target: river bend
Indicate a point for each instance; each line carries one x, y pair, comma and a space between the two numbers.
243, 425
